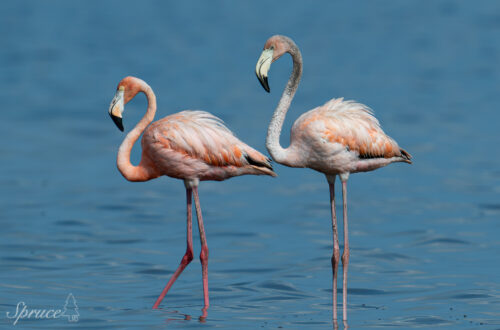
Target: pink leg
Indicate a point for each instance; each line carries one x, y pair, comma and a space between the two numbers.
204, 250
336, 249
345, 255
188, 256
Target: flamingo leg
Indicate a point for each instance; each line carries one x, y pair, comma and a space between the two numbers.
345, 255
204, 250
336, 249
188, 256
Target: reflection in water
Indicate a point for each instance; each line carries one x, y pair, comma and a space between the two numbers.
187, 317
203, 316
336, 325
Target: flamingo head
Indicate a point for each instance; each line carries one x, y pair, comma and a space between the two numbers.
126, 90
274, 48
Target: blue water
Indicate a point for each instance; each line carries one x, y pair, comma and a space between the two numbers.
424, 238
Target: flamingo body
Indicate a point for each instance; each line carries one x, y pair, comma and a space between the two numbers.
342, 137
197, 145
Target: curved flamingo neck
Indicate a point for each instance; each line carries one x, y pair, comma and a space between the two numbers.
279, 154
142, 172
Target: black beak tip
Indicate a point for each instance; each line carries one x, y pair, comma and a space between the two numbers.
118, 121
265, 84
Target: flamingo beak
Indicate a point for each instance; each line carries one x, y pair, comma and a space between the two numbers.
263, 66
116, 108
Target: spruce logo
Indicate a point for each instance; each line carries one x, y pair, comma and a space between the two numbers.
70, 310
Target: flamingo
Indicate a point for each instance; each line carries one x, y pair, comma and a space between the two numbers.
337, 138
192, 146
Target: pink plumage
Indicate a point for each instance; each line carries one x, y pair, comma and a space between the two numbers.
196, 144
343, 136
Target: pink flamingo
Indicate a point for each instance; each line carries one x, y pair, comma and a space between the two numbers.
337, 138
190, 145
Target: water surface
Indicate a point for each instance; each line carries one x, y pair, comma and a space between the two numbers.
424, 238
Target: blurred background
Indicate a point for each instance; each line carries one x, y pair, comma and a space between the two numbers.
424, 238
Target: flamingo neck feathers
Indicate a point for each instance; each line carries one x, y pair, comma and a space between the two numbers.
286, 156
143, 171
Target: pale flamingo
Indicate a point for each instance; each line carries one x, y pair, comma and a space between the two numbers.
337, 138
192, 146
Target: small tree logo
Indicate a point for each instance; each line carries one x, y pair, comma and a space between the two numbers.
71, 309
